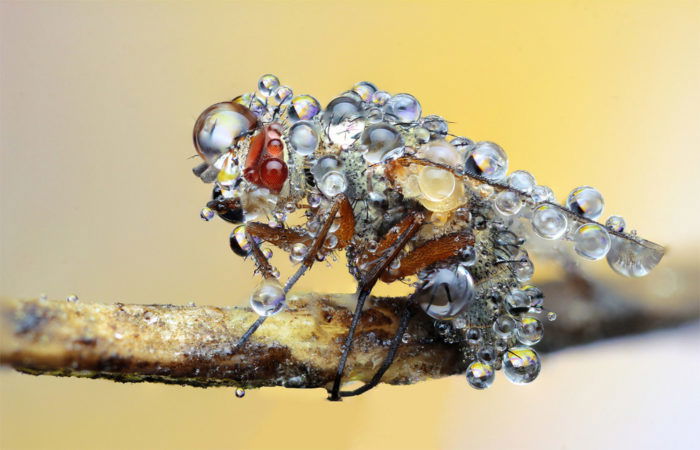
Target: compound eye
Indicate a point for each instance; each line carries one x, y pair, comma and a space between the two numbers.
219, 127
273, 173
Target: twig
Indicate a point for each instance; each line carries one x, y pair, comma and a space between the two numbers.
300, 347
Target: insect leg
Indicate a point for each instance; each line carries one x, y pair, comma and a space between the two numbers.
340, 206
395, 342
408, 228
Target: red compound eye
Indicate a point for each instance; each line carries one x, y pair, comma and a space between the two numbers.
273, 174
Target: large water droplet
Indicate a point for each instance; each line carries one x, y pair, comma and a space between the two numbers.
521, 365
446, 293
488, 160
529, 331
586, 202
303, 137
404, 108
592, 241
480, 375
549, 222
268, 298
379, 140
218, 128
303, 107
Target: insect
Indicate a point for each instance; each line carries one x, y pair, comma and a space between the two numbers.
406, 201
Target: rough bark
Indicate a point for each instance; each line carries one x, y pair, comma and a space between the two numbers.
300, 347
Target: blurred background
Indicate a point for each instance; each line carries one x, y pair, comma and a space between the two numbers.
97, 103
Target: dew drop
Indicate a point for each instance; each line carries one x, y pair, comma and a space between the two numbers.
480, 375
592, 241
521, 365
240, 393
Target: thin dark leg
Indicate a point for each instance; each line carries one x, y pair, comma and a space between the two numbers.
264, 265
414, 222
396, 341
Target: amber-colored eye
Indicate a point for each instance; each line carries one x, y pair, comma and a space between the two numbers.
219, 127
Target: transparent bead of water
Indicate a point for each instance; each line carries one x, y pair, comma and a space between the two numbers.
463, 146
298, 252
378, 140
314, 200
267, 85
548, 222
332, 241
267, 252
303, 107
487, 160
436, 125
441, 152
504, 326
480, 375
332, 184
240, 393
633, 258
616, 223
253, 103
522, 180
521, 365
72, 298
586, 202
447, 293
524, 269
486, 354
268, 298
207, 214
303, 137
517, 299
551, 316
534, 294
592, 241
541, 194
404, 108
380, 98
343, 121
365, 90
283, 95
218, 128
529, 331
473, 336
422, 135
507, 203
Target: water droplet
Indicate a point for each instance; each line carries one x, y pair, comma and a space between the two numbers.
72, 298
488, 160
586, 202
365, 90
633, 259
436, 184
405, 338
446, 293
303, 138
507, 203
239, 242
480, 375
207, 214
43, 297
592, 241
522, 181
541, 194
268, 298
303, 107
379, 140
404, 108
473, 336
314, 200
441, 152
283, 95
343, 121
298, 252
529, 331
521, 365
267, 252
267, 85
331, 241
548, 222
616, 223
436, 125
332, 184
551, 316
486, 354
504, 326
517, 299
380, 98
218, 128
240, 393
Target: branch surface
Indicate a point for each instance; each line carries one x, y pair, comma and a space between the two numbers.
299, 347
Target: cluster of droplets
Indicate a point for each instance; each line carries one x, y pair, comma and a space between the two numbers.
271, 152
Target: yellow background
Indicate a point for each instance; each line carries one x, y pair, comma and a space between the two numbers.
97, 101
